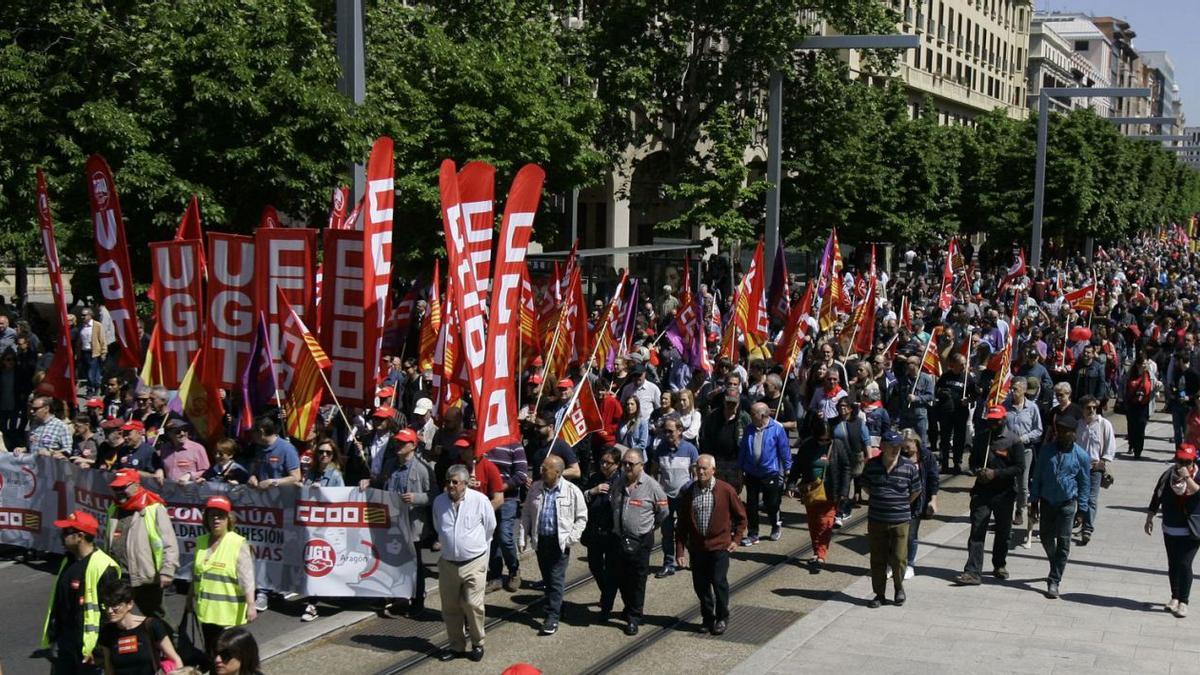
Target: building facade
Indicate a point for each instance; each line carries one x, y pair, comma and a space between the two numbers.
1055, 61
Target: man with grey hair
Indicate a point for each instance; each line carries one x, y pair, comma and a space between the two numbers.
639, 506
464, 521
554, 518
711, 521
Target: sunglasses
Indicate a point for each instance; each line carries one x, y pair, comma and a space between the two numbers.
455, 481
630, 465
325, 453
225, 655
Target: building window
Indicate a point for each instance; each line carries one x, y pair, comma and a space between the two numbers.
1081, 45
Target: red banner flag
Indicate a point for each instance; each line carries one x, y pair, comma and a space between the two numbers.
284, 259
431, 327
795, 331
1083, 299
931, 361
558, 352
463, 289
189, 228
1013, 273
477, 190
304, 353
60, 375
445, 362
112, 260
269, 218
946, 297
179, 316
529, 319
583, 415
230, 305
864, 336
200, 400
751, 308
337, 207
377, 258
343, 330
498, 405
905, 313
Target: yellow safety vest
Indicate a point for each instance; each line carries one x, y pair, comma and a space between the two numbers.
150, 516
97, 564
220, 600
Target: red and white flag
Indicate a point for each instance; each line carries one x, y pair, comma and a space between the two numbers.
337, 207
477, 190
230, 309
343, 330
301, 349
377, 258
179, 303
189, 228
463, 287
284, 259
583, 415
112, 260
269, 218
60, 375
1013, 273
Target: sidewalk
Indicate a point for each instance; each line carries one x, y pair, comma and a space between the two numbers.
1110, 616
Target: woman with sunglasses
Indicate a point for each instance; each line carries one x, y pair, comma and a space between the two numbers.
1177, 494
223, 585
131, 644
236, 654
325, 471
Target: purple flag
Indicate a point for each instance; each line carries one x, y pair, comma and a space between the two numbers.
258, 377
630, 306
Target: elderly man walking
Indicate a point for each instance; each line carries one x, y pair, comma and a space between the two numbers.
711, 521
465, 521
894, 483
765, 457
639, 506
554, 518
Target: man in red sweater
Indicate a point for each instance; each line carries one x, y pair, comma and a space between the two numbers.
711, 522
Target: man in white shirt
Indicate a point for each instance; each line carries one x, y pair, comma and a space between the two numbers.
464, 521
1095, 435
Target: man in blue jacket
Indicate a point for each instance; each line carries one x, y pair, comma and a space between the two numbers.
765, 457
1060, 487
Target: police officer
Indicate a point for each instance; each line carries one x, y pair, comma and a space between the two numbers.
73, 618
223, 574
139, 536
639, 506
994, 494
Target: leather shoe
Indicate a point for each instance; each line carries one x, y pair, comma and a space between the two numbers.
631, 628
476, 653
875, 602
900, 598
967, 579
666, 571
513, 583
448, 655
549, 628
719, 627
1001, 572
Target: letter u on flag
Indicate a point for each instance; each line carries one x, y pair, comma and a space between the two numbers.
301, 349
583, 415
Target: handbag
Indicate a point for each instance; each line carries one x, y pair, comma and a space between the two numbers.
631, 546
189, 641
813, 492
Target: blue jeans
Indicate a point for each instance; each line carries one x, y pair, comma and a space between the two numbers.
93, 370
668, 533
1089, 523
914, 529
1178, 420
1055, 530
504, 547
552, 561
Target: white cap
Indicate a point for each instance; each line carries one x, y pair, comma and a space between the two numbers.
423, 406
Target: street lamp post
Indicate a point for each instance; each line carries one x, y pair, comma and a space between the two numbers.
775, 117
353, 83
1039, 180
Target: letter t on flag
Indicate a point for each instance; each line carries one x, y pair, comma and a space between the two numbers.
301, 349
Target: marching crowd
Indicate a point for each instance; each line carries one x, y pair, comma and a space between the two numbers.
699, 462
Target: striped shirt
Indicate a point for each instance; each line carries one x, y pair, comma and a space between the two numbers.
891, 493
511, 462
548, 518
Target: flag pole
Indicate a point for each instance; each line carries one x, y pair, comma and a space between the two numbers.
574, 397
336, 402
548, 359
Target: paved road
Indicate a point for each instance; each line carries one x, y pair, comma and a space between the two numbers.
1110, 617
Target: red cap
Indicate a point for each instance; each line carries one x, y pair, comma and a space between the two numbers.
94, 403
537, 362
535, 379
566, 383
385, 392
1186, 453
996, 412
125, 477
384, 411
79, 520
463, 442
219, 503
521, 669
112, 424
406, 436
133, 425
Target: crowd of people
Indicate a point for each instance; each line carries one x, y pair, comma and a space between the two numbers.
699, 462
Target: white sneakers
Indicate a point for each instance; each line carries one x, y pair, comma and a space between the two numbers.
909, 572
1180, 610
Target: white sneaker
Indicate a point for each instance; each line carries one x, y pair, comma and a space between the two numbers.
889, 572
1172, 605
261, 602
1181, 610
909, 573
310, 613
1027, 542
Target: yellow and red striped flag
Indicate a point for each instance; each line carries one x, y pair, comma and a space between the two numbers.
432, 323
583, 415
303, 355
931, 361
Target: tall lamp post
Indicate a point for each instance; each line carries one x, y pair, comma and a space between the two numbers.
1039, 180
353, 83
775, 116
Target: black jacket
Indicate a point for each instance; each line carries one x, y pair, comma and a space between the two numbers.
1005, 456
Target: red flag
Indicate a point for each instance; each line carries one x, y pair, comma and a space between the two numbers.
189, 228
304, 353
751, 307
377, 259
284, 259
864, 337
60, 375
931, 361
269, 218
583, 415
446, 361
200, 400
343, 317
831, 278
179, 316
605, 336
946, 297
498, 404
568, 324
463, 288
893, 345
1015, 272
795, 331
905, 313
477, 190
112, 260
431, 326
337, 208
781, 289
230, 309
1083, 299
529, 318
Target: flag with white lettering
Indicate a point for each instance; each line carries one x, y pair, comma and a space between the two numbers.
342, 329
230, 308
112, 260
60, 375
477, 190
463, 287
377, 258
284, 259
179, 303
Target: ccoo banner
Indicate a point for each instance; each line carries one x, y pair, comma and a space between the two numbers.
332, 542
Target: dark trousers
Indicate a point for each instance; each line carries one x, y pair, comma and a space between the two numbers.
69, 659
983, 507
1055, 531
710, 570
1181, 551
668, 532
627, 574
1136, 417
889, 548
149, 600
952, 437
770, 491
211, 632
552, 561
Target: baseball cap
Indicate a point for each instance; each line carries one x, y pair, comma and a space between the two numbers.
385, 392
891, 438
113, 423
1066, 422
566, 383
132, 425
79, 520
1186, 452
219, 503
125, 477
384, 411
538, 362
422, 406
406, 436
175, 423
94, 403
995, 412
462, 442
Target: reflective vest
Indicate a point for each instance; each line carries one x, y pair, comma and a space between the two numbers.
96, 566
220, 600
150, 518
